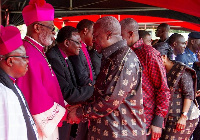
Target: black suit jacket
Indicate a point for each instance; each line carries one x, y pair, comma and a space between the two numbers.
72, 93
6, 81
96, 61
81, 69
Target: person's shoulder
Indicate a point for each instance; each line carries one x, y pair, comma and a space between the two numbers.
150, 51
131, 57
180, 57
51, 51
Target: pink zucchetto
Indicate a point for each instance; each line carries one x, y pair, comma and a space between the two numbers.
10, 39
37, 10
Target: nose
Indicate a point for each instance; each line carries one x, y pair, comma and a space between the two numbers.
27, 61
54, 32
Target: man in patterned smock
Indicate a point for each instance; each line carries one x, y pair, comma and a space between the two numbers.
116, 109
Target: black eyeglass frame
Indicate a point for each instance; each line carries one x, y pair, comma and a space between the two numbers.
78, 43
23, 57
52, 29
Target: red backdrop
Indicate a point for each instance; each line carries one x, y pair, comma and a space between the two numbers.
191, 7
72, 21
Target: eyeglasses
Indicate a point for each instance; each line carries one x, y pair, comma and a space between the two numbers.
78, 43
23, 57
52, 29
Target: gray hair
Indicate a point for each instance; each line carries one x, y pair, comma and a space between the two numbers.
129, 24
109, 23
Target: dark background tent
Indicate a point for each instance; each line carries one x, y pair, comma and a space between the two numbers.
145, 22
184, 14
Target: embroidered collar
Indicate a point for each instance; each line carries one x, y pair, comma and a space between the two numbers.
114, 47
138, 44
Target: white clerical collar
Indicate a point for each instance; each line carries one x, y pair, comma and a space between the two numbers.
35, 41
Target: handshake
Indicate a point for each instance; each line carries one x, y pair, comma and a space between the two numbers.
71, 115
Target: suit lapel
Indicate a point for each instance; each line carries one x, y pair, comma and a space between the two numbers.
68, 69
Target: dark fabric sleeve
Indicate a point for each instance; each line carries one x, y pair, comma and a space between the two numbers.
186, 84
71, 94
80, 70
96, 61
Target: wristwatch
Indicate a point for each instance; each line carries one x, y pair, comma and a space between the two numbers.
184, 114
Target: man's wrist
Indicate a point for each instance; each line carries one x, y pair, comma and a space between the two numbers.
184, 115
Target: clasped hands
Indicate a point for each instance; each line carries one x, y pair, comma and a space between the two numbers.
71, 115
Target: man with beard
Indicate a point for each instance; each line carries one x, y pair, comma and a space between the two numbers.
40, 85
15, 119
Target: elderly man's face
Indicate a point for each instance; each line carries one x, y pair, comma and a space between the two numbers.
74, 44
19, 62
47, 32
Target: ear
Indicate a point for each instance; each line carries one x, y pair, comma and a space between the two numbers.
9, 62
85, 31
130, 34
109, 34
164, 58
174, 44
36, 28
66, 43
192, 41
